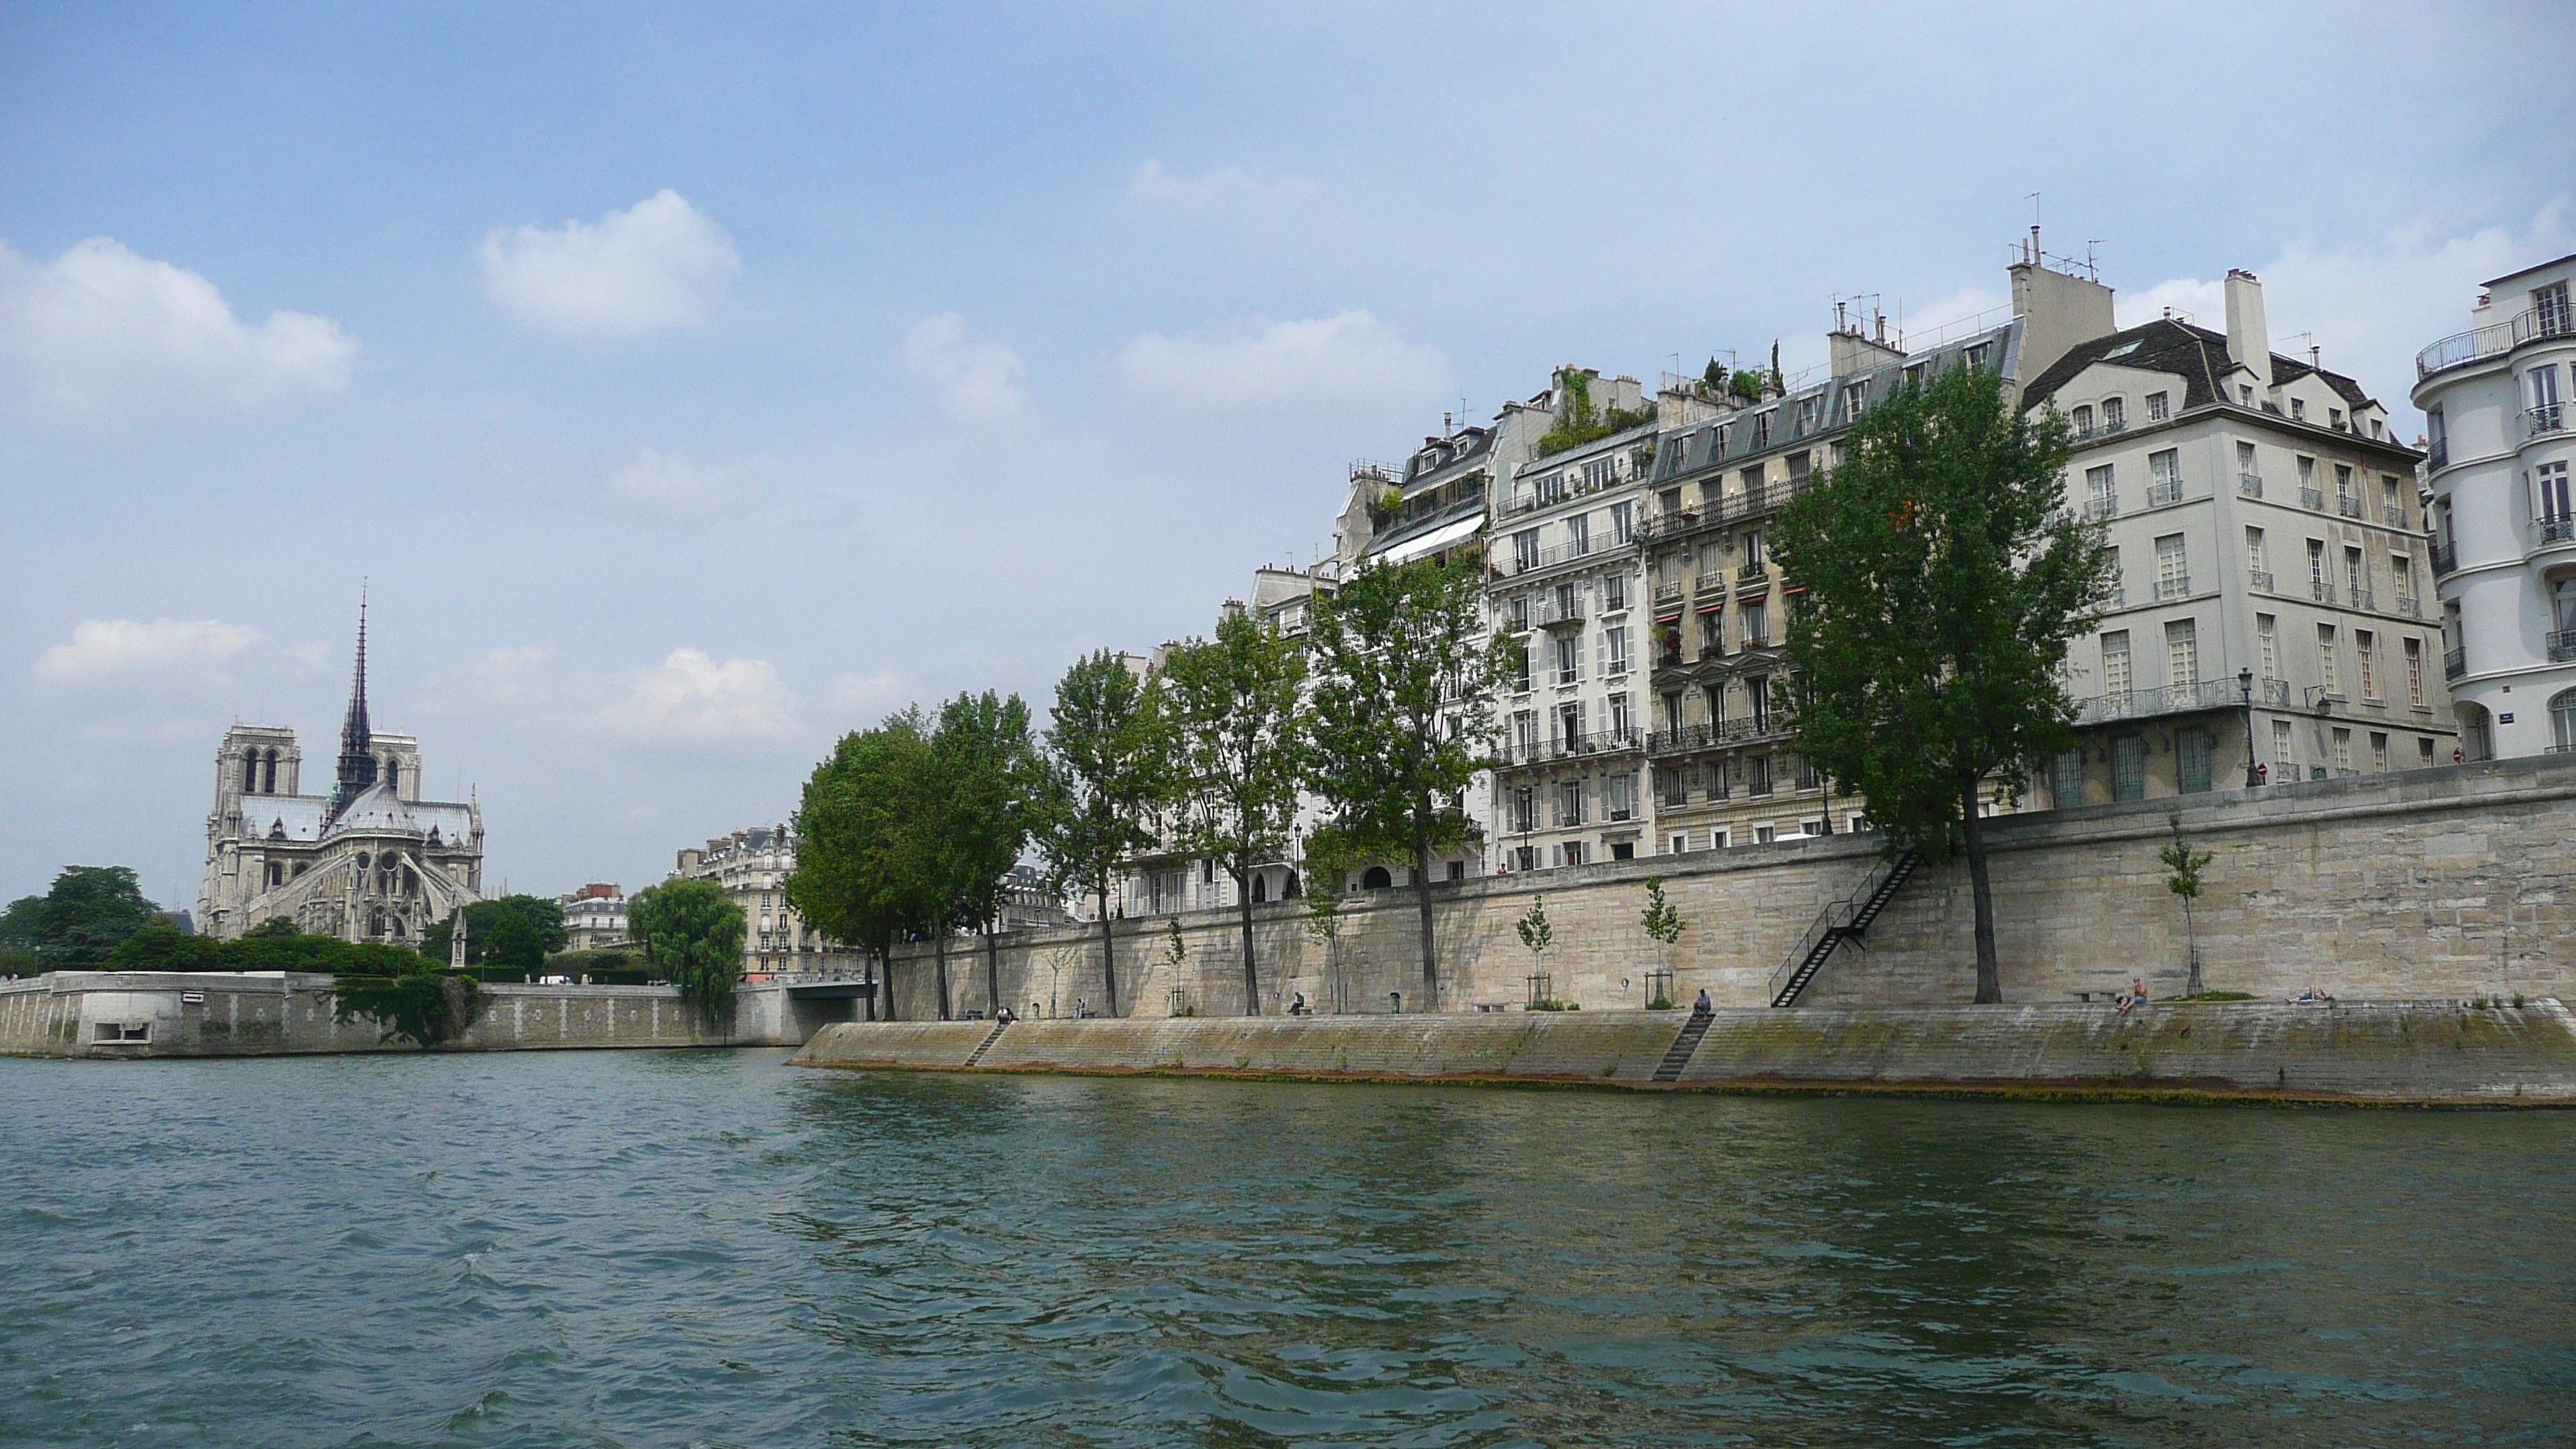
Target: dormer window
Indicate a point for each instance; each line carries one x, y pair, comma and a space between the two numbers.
2298, 409
2158, 407
1980, 355
2334, 419
2245, 394
2114, 414
2083, 418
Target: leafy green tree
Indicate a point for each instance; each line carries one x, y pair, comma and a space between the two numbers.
513, 944
1664, 926
1097, 788
89, 909
694, 932
2183, 867
1403, 718
1537, 933
275, 926
988, 788
857, 875
1234, 724
161, 946
540, 917
1946, 586
1330, 857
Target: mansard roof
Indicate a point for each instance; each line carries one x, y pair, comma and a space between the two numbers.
2195, 354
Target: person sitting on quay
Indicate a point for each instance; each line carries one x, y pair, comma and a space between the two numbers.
1701, 1007
2136, 993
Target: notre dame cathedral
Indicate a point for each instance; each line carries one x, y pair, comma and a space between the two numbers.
370, 861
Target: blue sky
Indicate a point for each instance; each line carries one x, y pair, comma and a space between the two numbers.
694, 385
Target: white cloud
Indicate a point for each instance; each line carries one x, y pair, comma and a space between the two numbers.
667, 487
864, 697
692, 698
1226, 188
690, 701
106, 335
2370, 308
113, 654
976, 378
660, 263
1347, 361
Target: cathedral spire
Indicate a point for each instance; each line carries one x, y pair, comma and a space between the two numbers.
357, 752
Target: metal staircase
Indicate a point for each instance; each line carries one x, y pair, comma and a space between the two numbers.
986, 1044
1679, 1054
1847, 919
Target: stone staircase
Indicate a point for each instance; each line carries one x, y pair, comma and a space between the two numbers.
1678, 1055
986, 1044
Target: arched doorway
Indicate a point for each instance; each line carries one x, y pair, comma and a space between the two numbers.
1260, 888
1375, 878
2477, 733
2562, 722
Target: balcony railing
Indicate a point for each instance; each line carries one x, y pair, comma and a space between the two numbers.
1750, 503
2562, 645
2108, 507
1672, 593
2462, 348
2172, 699
2446, 557
2249, 485
2554, 530
2347, 505
2546, 418
2393, 514
2177, 587
2321, 591
1543, 558
1567, 747
2455, 662
2410, 606
2312, 499
1743, 730
1711, 584
2161, 494
2259, 580
2366, 600
1545, 612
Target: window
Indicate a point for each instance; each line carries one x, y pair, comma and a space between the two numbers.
1761, 431
2352, 579
2415, 672
1623, 523
2066, 779
2378, 752
1569, 659
2345, 503
2182, 653
2173, 571
2328, 674
1670, 501
2164, 474
2299, 409
1614, 593
1578, 535
1523, 812
2436, 440
1979, 355
2423, 753
1621, 720
1721, 781
2392, 504
1753, 548
2365, 652
2343, 752
1614, 643
1572, 851
2128, 768
1755, 626
1757, 775
2562, 720
1757, 690
2101, 498
2281, 753
2157, 408
2550, 310
2192, 748
2318, 588
2115, 662
1799, 466
2083, 418
1619, 797
1569, 803
1680, 843
1673, 788
1855, 398
1525, 550
1765, 834
2401, 571
2114, 414
2553, 499
1712, 634
2309, 497
2267, 641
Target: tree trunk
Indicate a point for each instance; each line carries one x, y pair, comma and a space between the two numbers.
939, 945
1251, 980
2191, 938
1108, 950
993, 961
1422, 904
883, 987
1990, 985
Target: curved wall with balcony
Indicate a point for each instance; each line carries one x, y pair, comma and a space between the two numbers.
2505, 555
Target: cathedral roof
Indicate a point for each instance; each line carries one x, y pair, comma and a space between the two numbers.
378, 810
307, 818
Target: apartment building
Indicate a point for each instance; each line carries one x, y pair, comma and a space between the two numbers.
2273, 619
2497, 410
752, 865
1565, 584
594, 918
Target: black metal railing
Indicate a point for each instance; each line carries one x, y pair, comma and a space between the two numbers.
2171, 699
2446, 557
2546, 418
2462, 348
1567, 747
2455, 662
2160, 494
1745, 730
2321, 591
2249, 485
2347, 505
2557, 529
2312, 499
2562, 645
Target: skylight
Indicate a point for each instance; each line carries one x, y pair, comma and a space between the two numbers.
2123, 350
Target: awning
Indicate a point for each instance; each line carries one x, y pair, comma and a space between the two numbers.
1432, 542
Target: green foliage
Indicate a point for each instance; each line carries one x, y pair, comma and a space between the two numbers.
1535, 931
538, 933
1663, 923
1095, 787
275, 926
2182, 863
1579, 422
1402, 718
83, 917
512, 944
399, 990
858, 875
1946, 586
2220, 996
1714, 375
694, 933
1175, 949
19, 961
1745, 387
986, 788
599, 966
423, 1007
1232, 726
1330, 858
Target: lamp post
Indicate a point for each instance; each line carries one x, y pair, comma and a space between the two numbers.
2245, 682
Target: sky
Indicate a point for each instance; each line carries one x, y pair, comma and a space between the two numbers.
691, 385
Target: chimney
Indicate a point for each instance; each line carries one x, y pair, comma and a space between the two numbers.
2059, 312
2249, 341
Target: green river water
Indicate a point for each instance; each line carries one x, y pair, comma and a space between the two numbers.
679, 1248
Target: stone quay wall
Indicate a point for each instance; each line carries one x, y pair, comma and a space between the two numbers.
2416, 1053
274, 1013
2454, 883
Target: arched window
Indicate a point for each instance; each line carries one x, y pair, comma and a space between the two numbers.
269, 785
1375, 878
250, 773
1260, 889
1290, 892
2083, 419
2562, 722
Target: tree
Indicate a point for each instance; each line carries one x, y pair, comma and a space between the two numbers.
1096, 787
275, 927
2183, 866
694, 932
1403, 717
540, 919
89, 909
1946, 584
986, 787
512, 944
857, 872
1537, 935
1234, 727
1664, 926
1329, 859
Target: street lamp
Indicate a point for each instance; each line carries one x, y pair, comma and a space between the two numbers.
2253, 773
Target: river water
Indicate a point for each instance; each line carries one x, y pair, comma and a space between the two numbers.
675, 1248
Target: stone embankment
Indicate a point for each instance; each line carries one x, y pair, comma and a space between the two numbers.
267, 1013
2424, 1053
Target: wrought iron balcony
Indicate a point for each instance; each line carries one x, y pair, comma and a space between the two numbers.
2249, 485
2410, 606
2321, 591
2562, 645
2393, 514
1567, 747
2455, 662
2177, 587
1746, 729
1671, 593
2172, 699
2165, 492
2462, 348
2366, 600
1711, 584
2546, 418
2347, 505
2259, 579
2550, 530
1547, 612
2104, 507
2446, 557
2312, 499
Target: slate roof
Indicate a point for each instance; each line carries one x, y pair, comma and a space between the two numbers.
2196, 353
